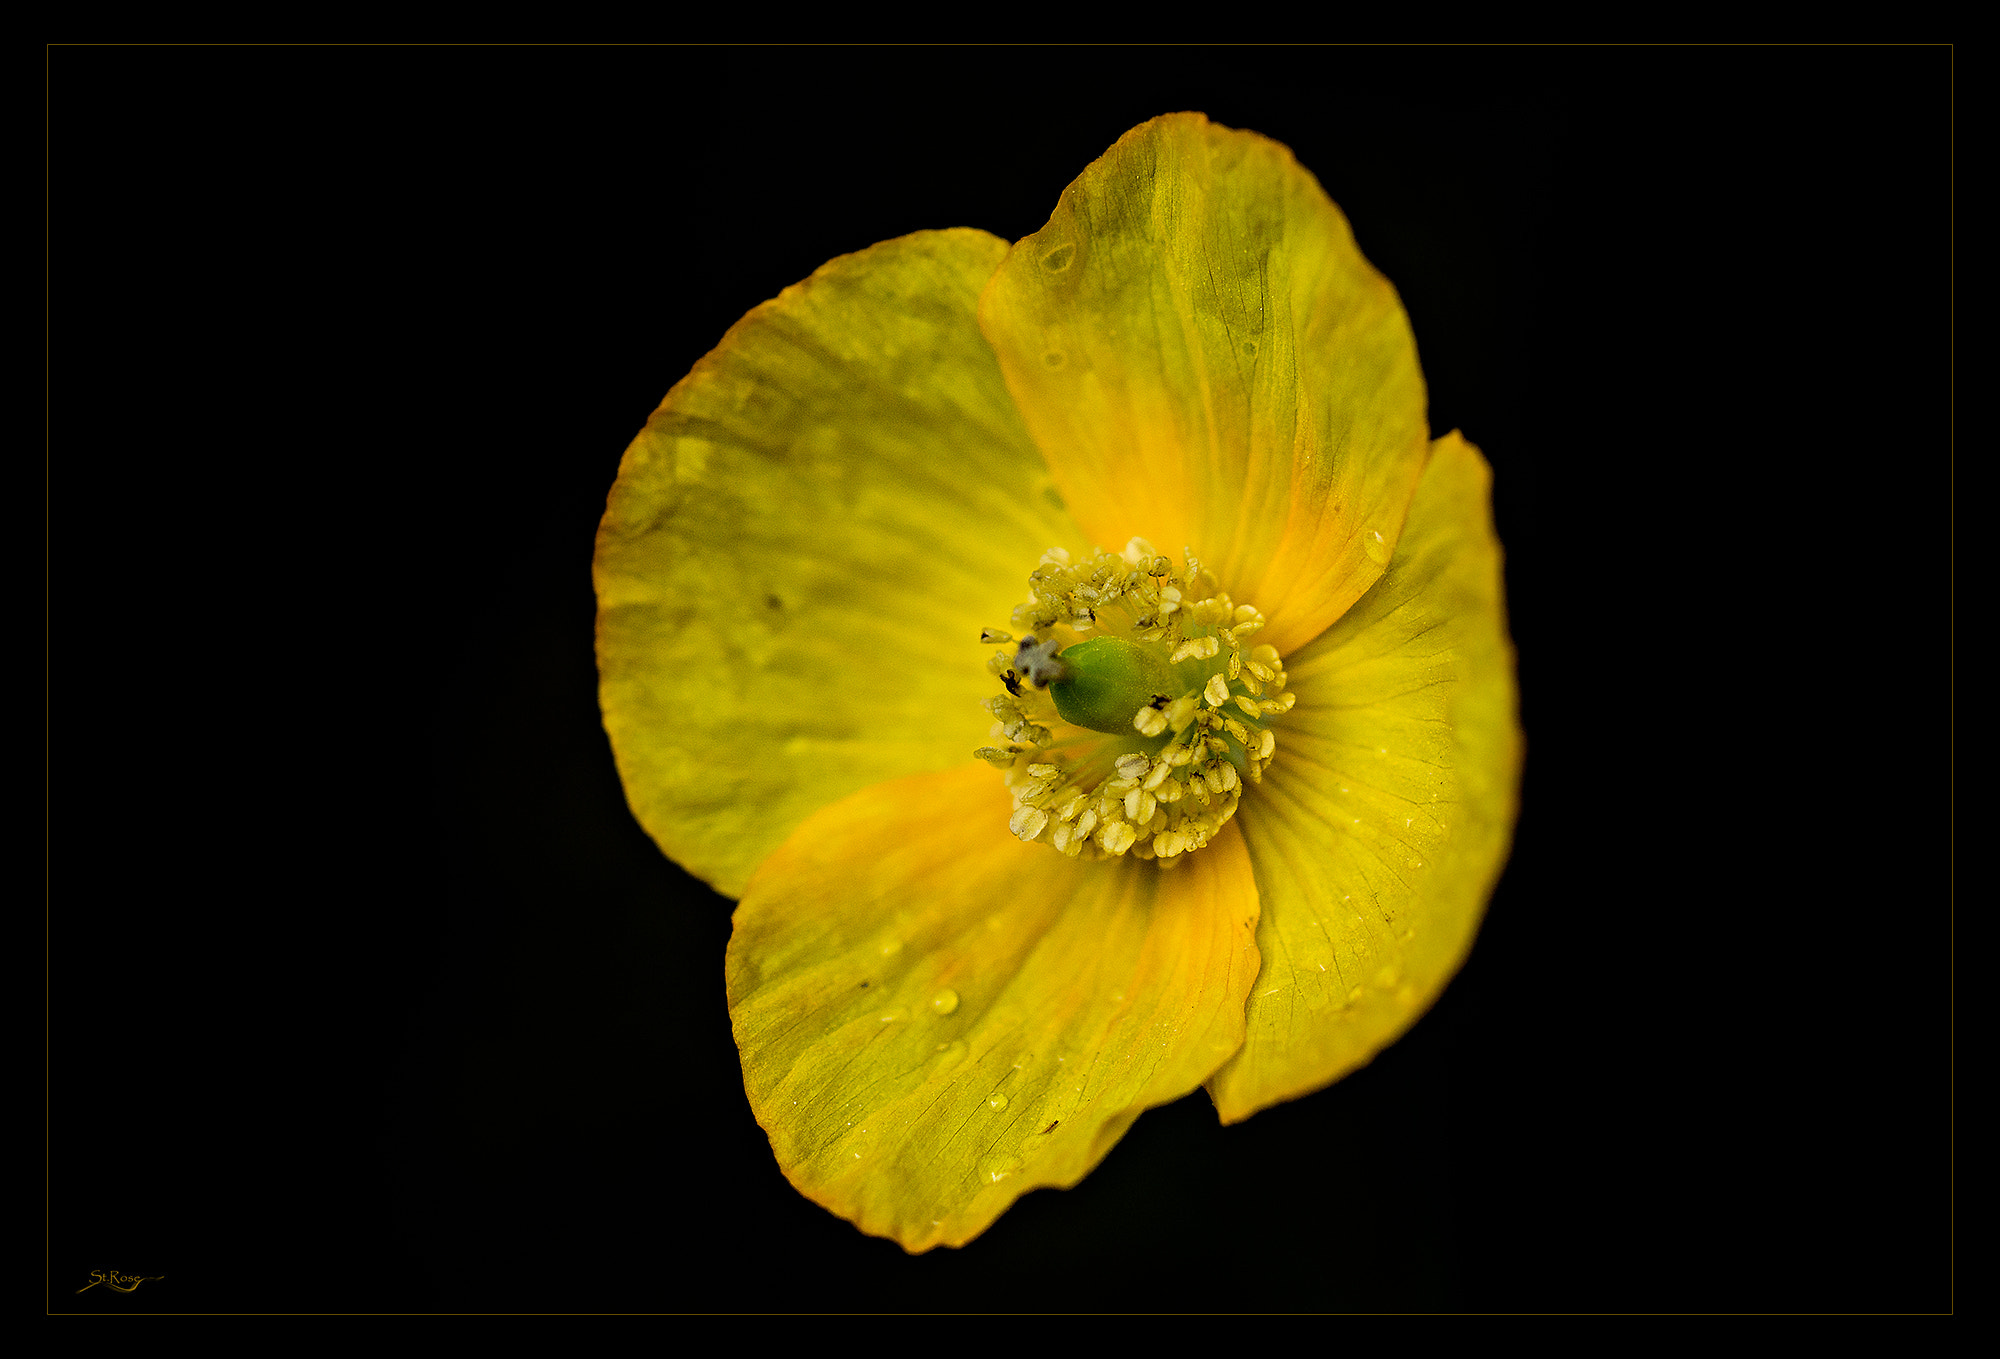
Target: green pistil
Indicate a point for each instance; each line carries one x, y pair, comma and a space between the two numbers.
1109, 679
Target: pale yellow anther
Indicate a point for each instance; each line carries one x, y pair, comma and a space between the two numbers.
1043, 771
1260, 670
1248, 705
1266, 743
1027, 822
1149, 721
1216, 691
1139, 806
990, 635
1181, 712
1133, 766
1117, 837
1085, 824
1158, 776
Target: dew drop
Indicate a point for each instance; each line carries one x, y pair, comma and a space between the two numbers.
1376, 546
945, 1001
895, 1016
999, 1168
950, 1054
891, 947
996, 1101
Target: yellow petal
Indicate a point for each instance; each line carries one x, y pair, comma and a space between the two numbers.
802, 547
1378, 832
1206, 360
935, 1018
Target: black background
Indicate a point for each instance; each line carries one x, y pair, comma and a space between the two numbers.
366, 992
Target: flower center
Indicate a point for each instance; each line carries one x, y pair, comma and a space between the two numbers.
1133, 712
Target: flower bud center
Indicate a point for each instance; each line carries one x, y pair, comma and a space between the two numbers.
1135, 709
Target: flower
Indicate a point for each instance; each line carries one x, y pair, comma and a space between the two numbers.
1244, 836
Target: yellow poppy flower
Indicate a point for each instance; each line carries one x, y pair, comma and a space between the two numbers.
1243, 836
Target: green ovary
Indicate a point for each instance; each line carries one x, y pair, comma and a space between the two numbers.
1110, 679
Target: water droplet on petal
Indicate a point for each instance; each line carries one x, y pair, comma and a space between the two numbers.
999, 1168
996, 1100
945, 1001
950, 1054
1375, 545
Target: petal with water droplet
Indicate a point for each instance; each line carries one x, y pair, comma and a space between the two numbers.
1379, 834
1137, 976
802, 545
1236, 376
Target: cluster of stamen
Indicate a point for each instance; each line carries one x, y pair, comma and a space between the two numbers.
1169, 784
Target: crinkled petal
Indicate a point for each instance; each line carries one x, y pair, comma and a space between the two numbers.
1378, 832
935, 1018
1207, 360
802, 547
